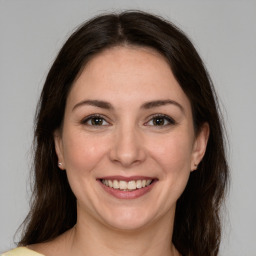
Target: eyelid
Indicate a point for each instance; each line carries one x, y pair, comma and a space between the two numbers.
85, 120
167, 118
170, 120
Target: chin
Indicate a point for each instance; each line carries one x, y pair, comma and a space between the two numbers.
128, 219
127, 225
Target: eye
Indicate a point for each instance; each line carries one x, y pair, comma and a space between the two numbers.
160, 120
95, 120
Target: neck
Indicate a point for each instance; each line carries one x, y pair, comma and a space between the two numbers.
94, 238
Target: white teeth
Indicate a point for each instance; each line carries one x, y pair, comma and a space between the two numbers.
110, 183
124, 185
132, 185
115, 184
139, 184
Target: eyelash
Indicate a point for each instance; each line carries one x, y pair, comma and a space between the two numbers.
95, 116
166, 119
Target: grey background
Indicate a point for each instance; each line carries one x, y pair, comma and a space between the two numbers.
224, 32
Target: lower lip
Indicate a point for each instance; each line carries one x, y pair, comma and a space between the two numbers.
120, 194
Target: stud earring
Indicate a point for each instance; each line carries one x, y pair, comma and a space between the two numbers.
59, 164
195, 165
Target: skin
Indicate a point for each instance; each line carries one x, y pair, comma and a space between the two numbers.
128, 142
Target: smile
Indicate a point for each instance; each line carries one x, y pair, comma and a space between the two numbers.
127, 185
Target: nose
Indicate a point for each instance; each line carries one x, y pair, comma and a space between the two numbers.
127, 148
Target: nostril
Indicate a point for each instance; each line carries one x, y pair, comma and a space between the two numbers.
127, 148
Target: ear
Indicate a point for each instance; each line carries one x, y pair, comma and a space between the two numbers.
199, 146
59, 149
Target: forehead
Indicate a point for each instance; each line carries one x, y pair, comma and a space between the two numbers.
124, 59
130, 73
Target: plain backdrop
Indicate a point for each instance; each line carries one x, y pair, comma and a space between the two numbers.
224, 32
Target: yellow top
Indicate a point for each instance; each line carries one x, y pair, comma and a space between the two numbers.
21, 251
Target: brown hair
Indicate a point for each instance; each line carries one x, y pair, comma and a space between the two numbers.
197, 226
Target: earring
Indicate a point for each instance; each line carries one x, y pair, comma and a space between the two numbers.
59, 164
195, 165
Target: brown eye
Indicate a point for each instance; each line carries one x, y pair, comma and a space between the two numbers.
95, 121
160, 120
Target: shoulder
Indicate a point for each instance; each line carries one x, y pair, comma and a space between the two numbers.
21, 251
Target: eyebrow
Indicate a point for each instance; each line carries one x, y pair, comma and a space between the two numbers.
146, 105
95, 103
159, 103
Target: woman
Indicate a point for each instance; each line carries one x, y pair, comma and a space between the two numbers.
129, 156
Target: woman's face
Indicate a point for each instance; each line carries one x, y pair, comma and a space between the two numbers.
127, 142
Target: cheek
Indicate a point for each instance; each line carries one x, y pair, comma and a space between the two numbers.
82, 153
174, 153
172, 159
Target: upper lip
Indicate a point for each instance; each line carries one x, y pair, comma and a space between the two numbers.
124, 178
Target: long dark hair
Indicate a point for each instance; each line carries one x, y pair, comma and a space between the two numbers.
197, 227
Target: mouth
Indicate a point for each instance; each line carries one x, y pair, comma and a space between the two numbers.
127, 187
130, 185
